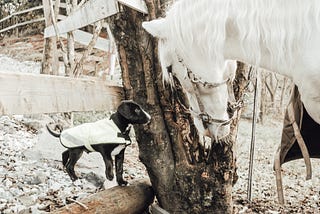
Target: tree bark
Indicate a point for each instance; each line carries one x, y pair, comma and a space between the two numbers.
133, 199
50, 63
272, 83
185, 180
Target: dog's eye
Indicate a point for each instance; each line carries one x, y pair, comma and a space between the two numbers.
137, 111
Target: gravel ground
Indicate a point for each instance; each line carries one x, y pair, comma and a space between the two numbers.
301, 196
32, 179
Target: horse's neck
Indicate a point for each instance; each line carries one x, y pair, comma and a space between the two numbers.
234, 51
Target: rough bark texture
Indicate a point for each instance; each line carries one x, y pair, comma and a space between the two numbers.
50, 58
184, 179
133, 199
50, 55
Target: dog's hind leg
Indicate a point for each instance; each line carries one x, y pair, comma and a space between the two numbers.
109, 166
119, 169
65, 157
74, 156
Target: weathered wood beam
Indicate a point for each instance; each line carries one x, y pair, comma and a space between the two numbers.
89, 13
91, 57
21, 12
84, 38
24, 93
139, 5
22, 24
133, 199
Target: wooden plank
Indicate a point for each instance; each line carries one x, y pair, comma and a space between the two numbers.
84, 38
22, 24
61, 17
28, 10
61, 4
90, 12
24, 93
91, 57
138, 5
21, 12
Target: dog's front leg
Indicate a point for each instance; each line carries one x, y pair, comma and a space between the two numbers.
119, 168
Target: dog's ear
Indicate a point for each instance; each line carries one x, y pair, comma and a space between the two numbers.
133, 112
126, 107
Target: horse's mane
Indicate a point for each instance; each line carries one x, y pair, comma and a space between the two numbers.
273, 26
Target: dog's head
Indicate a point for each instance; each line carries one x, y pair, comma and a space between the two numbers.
133, 112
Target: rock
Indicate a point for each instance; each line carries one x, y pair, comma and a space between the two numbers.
8, 183
94, 179
4, 194
41, 178
55, 187
27, 200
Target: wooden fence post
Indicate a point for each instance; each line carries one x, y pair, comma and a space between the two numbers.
50, 64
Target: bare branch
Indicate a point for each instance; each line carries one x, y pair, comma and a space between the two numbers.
76, 71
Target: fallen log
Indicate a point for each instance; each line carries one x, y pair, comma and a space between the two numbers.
133, 199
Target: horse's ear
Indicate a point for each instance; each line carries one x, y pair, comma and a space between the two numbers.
155, 27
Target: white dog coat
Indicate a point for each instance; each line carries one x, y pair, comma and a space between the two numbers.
101, 132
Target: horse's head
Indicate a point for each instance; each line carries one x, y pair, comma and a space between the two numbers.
208, 81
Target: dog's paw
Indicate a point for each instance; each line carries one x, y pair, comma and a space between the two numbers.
122, 182
74, 178
109, 176
72, 175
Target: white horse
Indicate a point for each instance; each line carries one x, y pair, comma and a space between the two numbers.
278, 35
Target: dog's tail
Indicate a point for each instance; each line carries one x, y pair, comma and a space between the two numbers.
54, 129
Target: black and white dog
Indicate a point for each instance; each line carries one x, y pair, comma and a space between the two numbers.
112, 137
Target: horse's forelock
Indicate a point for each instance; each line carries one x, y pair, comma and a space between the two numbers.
197, 32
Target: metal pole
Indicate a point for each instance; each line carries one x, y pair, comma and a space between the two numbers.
253, 137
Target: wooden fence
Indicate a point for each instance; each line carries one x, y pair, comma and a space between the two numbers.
25, 93
21, 23
22, 93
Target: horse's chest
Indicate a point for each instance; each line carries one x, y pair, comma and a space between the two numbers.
118, 149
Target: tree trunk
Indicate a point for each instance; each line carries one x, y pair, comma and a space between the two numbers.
283, 92
272, 82
184, 179
50, 63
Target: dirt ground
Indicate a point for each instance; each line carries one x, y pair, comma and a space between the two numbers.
301, 196
32, 179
